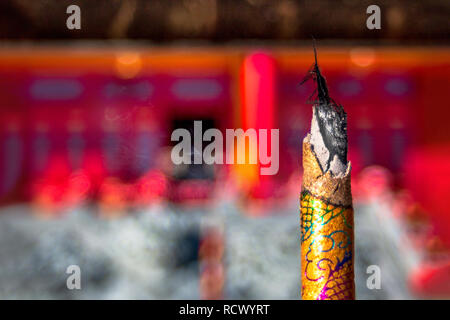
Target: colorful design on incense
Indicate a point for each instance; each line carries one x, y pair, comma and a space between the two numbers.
327, 246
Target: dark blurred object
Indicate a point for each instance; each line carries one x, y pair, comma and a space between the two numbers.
186, 249
223, 20
192, 170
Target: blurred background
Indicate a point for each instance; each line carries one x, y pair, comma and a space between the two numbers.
85, 122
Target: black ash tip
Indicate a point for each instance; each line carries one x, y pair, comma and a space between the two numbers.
331, 117
323, 96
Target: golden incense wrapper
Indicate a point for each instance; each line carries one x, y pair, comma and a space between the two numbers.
327, 246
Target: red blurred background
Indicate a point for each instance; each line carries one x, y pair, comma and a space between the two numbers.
91, 123
101, 113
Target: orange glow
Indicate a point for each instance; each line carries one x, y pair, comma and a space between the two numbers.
128, 65
113, 195
362, 57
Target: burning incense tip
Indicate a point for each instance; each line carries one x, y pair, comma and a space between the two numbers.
326, 201
328, 127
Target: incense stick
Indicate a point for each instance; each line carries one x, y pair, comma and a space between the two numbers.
327, 240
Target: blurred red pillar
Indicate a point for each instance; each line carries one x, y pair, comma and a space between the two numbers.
258, 97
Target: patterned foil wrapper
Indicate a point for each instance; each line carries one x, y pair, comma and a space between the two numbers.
326, 249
